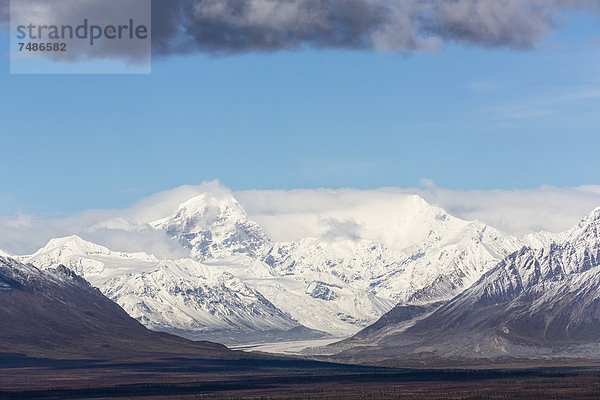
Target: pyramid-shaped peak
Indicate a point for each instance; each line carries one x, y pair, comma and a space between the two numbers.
205, 210
214, 225
217, 199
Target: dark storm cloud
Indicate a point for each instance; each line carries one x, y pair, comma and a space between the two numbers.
4, 13
498, 23
241, 26
237, 26
233, 26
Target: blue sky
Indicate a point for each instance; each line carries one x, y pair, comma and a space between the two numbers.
465, 117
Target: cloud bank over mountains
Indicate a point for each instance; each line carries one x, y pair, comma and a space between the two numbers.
289, 215
517, 212
242, 26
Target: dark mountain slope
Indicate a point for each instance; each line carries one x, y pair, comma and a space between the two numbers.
57, 314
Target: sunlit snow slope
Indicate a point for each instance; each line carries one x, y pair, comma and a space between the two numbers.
239, 280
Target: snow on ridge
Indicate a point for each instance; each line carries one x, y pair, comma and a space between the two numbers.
191, 297
214, 226
94, 262
335, 281
337, 284
205, 208
72, 244
180, 295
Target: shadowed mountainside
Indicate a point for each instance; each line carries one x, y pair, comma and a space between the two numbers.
55, 313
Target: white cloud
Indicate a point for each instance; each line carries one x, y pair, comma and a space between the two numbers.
296, 214
346, 229
546, 208
326, 213
293, 214
120, 230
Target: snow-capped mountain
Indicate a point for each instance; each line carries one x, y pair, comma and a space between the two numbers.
214, 225
320, 305
185, 296
334, 283
95, 263
241, 281
181, 296
535, 302
352, 284
439, 269
447, 256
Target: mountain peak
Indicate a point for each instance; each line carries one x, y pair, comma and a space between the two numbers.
588, 230
203, 210
593, 216
214, 225
74, 244
211, 205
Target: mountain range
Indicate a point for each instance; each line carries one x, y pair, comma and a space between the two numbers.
54, 313
415, 271
535, 303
